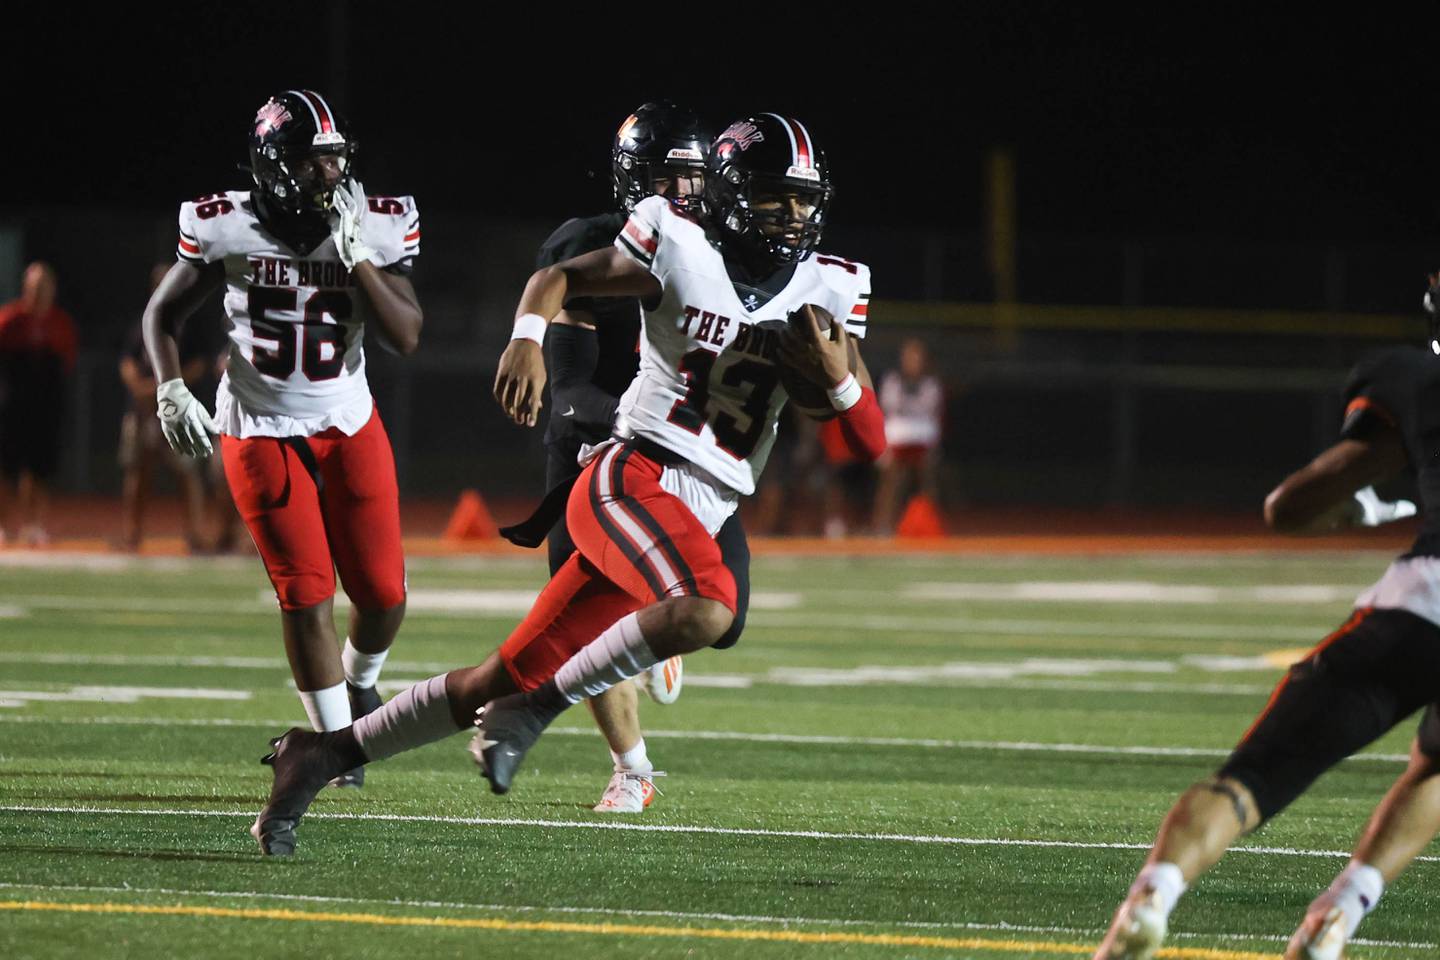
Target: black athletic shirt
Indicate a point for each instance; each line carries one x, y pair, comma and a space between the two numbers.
617, 323
1400, 387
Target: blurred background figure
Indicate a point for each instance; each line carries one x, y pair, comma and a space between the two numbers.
37, 353
848, 483
142, 443
914, 402
220, 506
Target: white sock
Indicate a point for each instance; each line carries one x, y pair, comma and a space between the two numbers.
1166, 880
1357, 891
617, 654
328, 709
412, 718
362, 669
634, 760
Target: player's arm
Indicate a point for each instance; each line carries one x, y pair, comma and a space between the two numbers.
572, 353
1332, 492
187, 425
185, 287
600, 273
827, 358
395, 304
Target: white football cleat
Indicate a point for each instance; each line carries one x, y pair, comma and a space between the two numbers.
662, 681
1138, 931
1323, 941
627, 793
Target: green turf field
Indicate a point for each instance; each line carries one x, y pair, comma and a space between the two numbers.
904, 757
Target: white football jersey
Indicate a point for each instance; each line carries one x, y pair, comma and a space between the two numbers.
296, 361
708, 388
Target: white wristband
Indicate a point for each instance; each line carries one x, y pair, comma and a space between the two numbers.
846, 393
529, 326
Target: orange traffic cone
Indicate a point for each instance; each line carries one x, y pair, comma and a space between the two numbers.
471, 519
920, 519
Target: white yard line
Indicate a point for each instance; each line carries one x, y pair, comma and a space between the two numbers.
918, 838
982, 626
667, 914
768, 613
1128, 591
1017, 746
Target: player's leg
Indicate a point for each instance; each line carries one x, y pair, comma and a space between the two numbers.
1357, 684
1404, 823
135, 464
616, 711
575, 601
649, 543
630, 789
361, 504
277, 500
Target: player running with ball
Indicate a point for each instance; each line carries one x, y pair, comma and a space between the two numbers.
647, 581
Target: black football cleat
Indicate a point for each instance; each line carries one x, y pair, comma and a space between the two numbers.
505, 730
363, 700
303, 762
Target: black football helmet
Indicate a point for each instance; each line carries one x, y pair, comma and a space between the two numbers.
655, 137
292, 126
764, 158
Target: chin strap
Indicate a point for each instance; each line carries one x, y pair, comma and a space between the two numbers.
862, 424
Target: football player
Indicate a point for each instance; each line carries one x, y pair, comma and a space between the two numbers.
647, 580
592, 354
1380, 666
305, 259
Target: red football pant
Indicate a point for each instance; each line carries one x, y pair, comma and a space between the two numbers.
304, 533
635, 544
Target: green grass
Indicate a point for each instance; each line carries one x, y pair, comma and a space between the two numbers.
845, 655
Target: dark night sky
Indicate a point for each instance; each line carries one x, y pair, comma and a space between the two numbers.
1208, 122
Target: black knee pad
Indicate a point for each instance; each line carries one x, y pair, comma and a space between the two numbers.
732, 636
1428, 736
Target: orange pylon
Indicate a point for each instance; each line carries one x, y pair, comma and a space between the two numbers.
920, 519
471, 519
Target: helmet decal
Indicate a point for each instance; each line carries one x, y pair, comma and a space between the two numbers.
271, 117
744, 134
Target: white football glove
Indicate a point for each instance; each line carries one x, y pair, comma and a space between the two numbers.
348, 202
183, 418
1373, 511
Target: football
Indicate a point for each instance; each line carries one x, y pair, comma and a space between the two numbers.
807, 396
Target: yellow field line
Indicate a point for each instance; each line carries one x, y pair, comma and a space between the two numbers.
614, 929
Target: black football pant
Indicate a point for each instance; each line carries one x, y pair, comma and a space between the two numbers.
1363, 679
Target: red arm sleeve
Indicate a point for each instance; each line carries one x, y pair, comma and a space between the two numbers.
863, 427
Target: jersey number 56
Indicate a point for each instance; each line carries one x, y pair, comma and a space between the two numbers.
307, 338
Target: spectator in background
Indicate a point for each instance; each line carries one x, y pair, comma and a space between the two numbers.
914, 402
37, 354
221, 506
142, 442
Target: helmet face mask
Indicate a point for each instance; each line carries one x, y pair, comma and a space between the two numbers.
661, 150
299, 150
769, 189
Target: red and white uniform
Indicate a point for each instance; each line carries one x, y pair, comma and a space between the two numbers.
297, 363
306, 455
914, 410
708, 388
709, 396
